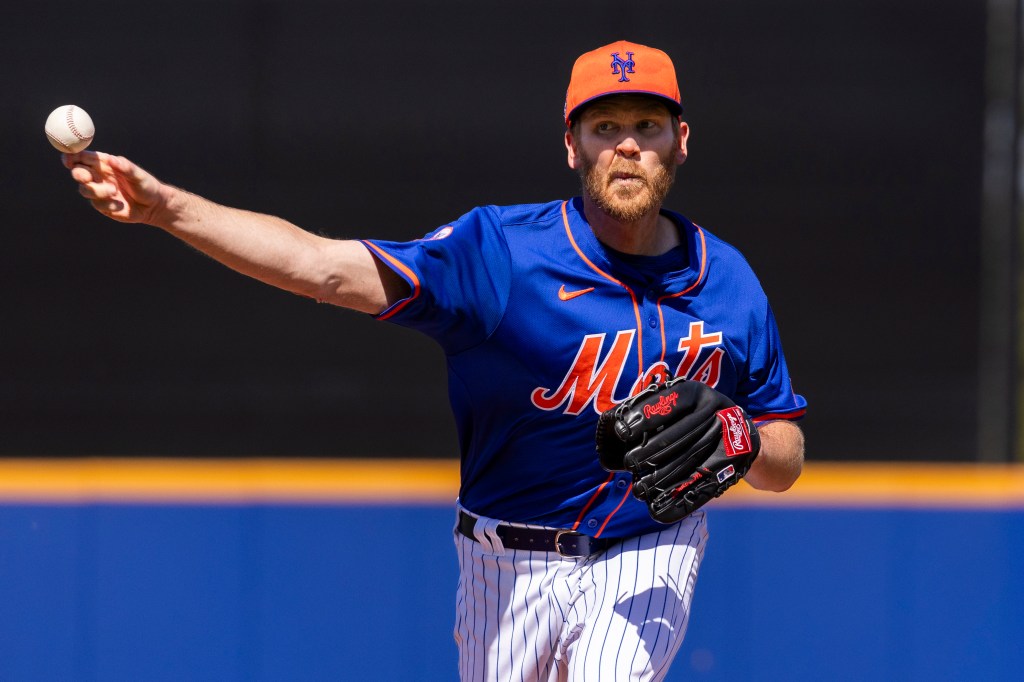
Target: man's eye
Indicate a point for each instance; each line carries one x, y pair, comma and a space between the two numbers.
605, 127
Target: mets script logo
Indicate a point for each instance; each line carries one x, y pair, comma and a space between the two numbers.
594, 375
662, 407
621, 67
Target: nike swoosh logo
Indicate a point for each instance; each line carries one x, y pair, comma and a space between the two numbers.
564, 295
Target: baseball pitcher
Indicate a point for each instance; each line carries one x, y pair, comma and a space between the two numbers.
612, 368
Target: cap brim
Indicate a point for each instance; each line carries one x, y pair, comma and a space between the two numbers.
674, 107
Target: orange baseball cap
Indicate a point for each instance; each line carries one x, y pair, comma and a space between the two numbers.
618, 69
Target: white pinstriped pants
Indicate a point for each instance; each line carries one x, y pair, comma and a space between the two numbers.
525, 616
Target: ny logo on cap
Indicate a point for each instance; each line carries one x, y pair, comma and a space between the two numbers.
620, 67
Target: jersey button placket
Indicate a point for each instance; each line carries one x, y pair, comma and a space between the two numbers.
651, 309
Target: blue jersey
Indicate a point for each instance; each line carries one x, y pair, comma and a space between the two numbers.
543, 328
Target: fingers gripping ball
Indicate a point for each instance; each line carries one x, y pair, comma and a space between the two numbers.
684, 443
69, 128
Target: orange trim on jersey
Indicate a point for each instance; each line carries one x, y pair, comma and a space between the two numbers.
590, 502
700, 277
614, 511
795, 414
639, 326
404, 269
636, 307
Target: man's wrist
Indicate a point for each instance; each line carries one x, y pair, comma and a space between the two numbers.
171, 208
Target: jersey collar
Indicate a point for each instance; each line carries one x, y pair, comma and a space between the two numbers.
599, 257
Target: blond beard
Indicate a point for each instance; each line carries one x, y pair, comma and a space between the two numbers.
627, 204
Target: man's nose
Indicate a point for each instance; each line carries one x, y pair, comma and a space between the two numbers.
627, 146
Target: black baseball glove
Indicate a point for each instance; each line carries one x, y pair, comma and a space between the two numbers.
684, 443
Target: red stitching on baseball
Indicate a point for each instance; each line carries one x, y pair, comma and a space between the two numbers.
60, 142
71, 123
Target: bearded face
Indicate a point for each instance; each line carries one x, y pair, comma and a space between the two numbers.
625, 190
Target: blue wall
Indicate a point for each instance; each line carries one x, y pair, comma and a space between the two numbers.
130, 592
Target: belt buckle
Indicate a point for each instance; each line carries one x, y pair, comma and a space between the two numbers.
558, 544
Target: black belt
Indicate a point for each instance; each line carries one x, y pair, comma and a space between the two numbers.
568, 543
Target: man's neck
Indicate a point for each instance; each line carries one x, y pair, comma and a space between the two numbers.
652, 235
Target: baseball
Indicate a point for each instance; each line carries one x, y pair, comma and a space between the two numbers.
69, 128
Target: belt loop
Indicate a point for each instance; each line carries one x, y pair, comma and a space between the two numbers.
487, 534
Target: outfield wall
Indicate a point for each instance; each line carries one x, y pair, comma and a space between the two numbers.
264, 570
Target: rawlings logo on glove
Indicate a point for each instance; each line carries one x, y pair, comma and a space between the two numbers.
684, 443
663, 407
735, 425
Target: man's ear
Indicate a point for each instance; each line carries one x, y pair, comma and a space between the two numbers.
684, 135
573, 156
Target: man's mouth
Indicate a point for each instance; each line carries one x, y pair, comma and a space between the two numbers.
625, 178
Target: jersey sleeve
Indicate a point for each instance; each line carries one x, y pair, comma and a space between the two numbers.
768, 390
459, 277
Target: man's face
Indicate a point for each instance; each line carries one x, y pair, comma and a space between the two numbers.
626, 150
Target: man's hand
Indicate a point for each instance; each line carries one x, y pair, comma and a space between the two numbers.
115, 186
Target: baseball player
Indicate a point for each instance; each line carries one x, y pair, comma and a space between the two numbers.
549, 314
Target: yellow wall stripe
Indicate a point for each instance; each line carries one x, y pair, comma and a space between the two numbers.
895, 485
228, 481
385, 481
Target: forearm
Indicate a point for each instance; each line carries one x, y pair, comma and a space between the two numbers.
273, 250
781, 458
267, 248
